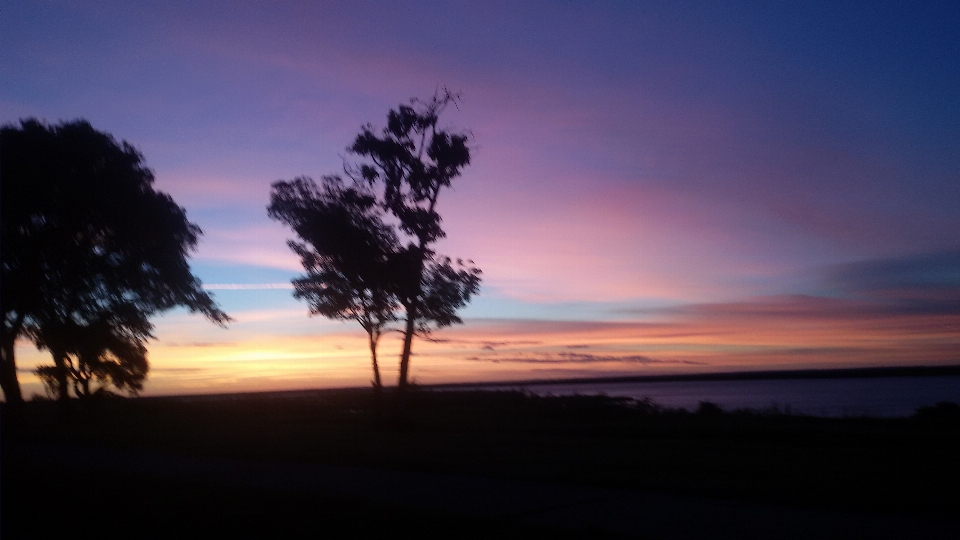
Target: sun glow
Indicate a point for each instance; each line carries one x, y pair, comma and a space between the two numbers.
282, 349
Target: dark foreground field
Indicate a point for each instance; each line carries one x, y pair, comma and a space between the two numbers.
471, 464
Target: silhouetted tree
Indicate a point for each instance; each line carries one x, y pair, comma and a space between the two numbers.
110, 351
411, 160
346, 249
357, 266
84, 234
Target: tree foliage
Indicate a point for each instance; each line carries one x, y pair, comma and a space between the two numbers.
446, 287
85, 236
411, 161
360, 264
110, 351
346, 250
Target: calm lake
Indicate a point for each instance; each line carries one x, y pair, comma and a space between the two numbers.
873, 396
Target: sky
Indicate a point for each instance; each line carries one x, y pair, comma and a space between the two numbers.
655, 187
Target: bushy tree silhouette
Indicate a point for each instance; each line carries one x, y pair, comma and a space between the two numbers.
361, 265
412, 160
347, 251
87, 240
109, 351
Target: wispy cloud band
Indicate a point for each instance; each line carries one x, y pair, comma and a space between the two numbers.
575, 358
246, 286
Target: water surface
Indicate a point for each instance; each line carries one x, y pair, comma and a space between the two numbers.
871, 396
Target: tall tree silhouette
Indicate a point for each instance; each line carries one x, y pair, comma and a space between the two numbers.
411, 161
347, 251
85, 236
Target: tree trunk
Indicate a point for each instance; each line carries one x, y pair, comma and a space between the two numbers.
376, 368
401, 406
412, 308
8, 373
377, 384
407, 346
8, 363
63, 387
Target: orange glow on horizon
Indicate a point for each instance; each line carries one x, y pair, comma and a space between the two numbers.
772, 333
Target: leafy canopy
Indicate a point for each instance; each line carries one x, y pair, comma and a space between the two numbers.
366, 247
85, 236
345, 248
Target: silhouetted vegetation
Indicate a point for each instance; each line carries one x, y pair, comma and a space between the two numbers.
347, 251
357, 264
90, 251
709, 408
904, 466
943, 412
108, 351
411, 161
155, 507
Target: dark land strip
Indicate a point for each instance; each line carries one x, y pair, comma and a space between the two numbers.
509, 505
794, 374
474, 464
833, 373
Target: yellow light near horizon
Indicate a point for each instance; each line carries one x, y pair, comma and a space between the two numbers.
261, 353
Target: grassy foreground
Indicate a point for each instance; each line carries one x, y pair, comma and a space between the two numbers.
907, 467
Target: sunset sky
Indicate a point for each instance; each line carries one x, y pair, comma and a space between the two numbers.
656, 187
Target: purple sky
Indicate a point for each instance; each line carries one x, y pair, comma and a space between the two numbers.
684, 164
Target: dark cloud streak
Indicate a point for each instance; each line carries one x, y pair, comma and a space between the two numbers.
919, 284
577, 358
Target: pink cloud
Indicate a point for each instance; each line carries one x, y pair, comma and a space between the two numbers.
199, 190
257, 245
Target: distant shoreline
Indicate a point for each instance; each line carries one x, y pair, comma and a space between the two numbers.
844, 373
